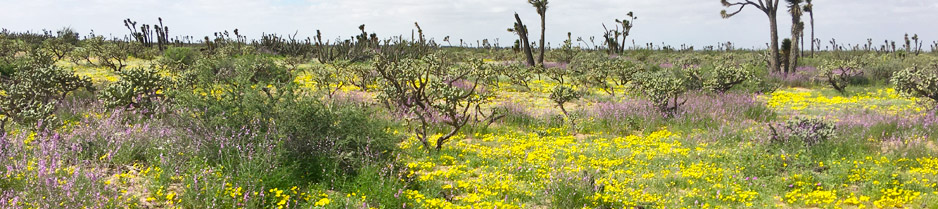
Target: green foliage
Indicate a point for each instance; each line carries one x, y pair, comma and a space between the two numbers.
664, 88
330, 78
562, 94
571, 192
434, 89
517, 74
567, 51
112, 55
839, 73
138, 88
600, 71
324, 142
724, 77
918, 82
231, 91
31, 95
179, 58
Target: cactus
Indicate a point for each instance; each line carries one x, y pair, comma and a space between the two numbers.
31, 95
839, 73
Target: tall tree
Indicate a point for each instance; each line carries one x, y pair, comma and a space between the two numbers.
522, 31
541, 6
770, 8
809, 8
797, 28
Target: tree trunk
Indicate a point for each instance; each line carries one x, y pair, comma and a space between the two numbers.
793, 56
812, 31
774, 64
525, 44
540, 58
796, 27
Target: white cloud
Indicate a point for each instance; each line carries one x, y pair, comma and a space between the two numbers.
675, 22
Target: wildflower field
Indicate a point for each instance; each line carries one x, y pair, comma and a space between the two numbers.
224, 122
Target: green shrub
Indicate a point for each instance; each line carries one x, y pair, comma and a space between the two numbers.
178, 58
138, 88
839, 73
597, 70
725, 77
31, 95
918, 82
231, 91
324, 142
563, 94
663, 88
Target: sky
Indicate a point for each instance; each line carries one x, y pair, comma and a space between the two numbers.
673, 22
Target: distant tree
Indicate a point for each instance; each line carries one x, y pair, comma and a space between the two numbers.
541, 6
612, 36
797, 28
809, 8
770, 8
522, 31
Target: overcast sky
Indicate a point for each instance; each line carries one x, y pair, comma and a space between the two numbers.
674, 22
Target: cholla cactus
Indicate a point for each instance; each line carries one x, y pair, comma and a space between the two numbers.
839, 73
724, 77
810, 131
562, 94
918, 82
663, 88
138, 88
32, 94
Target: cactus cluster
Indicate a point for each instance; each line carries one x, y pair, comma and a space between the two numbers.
31, 95
145, 33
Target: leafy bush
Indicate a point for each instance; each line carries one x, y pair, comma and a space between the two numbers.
31, 95
327, 142
138, 88
58, 47
316, 142
231, 91
178, 58
517, 74
918, 82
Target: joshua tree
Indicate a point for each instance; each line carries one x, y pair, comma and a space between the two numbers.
770, 8
541, 6
522, 31
612, 36
809, 8
797, 27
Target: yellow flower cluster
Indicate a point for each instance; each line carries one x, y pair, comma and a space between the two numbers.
882, 100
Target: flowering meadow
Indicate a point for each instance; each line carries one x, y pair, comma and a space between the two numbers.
405, 123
